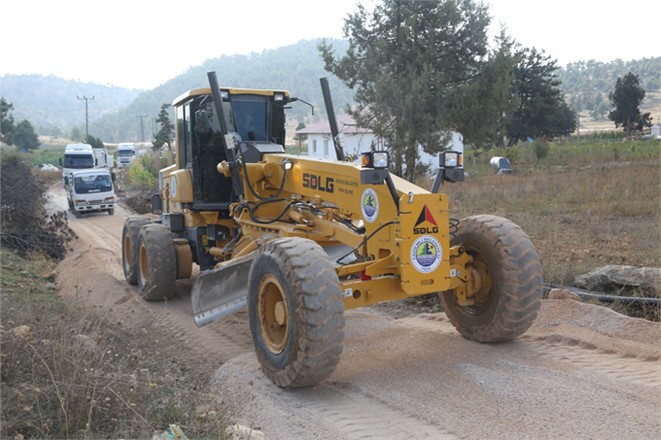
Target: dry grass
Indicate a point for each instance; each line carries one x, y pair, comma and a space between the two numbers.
605, 211
73, 374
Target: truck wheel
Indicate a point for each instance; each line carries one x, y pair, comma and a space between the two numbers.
157, 263
77, 214
296, 312
510, 281
111, 211
130, 247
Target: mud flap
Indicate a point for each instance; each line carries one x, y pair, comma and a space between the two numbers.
221, 292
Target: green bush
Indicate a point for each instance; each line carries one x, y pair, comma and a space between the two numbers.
141, 176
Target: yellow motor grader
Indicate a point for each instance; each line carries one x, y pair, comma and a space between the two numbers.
300, 240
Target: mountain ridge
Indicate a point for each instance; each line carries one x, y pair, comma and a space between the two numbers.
54, 105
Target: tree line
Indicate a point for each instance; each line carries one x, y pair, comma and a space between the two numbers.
421, 70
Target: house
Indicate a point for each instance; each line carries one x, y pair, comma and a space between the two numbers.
655, 131
357, 140
354, 140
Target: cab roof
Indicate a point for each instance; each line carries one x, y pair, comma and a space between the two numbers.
232, 91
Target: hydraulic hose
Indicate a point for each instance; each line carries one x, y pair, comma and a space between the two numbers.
606, 298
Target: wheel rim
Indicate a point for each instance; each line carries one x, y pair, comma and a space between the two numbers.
483, 279
273, 314
143, 264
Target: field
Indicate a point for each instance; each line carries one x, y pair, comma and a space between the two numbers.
602, 208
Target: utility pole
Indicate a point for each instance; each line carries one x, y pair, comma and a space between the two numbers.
86, 99
142, 127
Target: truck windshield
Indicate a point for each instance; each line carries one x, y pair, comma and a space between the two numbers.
78, 161
92, 184
125, 152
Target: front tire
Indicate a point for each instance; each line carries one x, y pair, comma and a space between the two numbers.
296, 312
510, 293
130, 234
157, 263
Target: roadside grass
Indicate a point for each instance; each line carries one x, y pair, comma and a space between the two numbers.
71, 373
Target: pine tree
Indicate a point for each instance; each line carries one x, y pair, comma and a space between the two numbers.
165, 134
406, 61
24, 137
626, 99
541, 109
6, 121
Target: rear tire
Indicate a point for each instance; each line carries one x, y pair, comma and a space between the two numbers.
130, 247
157, 263
511, 290
296, 312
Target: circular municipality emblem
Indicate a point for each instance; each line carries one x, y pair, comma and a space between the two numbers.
173, 187
369, 204
426, 254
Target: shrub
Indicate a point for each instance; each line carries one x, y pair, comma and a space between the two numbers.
24, 223
541, 149
141, 176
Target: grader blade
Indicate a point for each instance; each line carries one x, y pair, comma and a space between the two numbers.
221, 292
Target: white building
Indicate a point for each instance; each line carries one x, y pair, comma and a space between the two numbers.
656, 131
357, 140
354, 140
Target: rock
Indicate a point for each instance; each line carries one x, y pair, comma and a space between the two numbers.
22, 331
241, 432
614, 277
563, 294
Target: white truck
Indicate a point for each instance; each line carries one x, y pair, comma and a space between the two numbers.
125, 154
76, 157
103, 159
91, 191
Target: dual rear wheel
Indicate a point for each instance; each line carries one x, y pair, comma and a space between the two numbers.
149, 258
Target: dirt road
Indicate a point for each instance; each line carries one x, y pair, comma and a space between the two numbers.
581, 372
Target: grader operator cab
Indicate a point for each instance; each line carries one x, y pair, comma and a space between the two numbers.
299, 240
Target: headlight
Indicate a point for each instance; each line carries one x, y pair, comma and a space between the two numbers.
110, 199
80, 202
376, 159
380, 159
451, 159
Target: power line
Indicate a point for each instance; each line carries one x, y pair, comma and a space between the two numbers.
142, 127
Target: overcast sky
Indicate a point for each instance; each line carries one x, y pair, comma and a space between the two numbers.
144, 43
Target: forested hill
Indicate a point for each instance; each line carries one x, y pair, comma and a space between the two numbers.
587, 83
296, 68
51, 104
